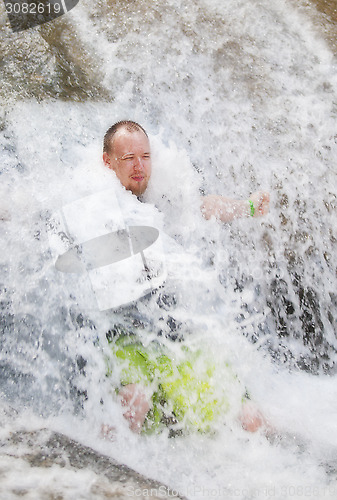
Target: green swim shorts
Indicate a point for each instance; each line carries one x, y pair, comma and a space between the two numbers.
188, 391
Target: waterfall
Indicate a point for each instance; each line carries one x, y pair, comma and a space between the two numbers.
236, 96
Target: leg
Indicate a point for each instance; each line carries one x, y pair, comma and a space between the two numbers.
133, 398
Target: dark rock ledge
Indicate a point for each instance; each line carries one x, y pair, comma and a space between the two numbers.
22, 453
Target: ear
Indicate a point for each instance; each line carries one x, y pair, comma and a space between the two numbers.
107, 160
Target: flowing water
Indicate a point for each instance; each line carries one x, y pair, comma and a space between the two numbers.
236, 96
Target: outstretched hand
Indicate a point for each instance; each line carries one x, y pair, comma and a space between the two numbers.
227, 209
260, 201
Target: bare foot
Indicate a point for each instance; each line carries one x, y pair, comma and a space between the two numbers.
251, 418
134, 399
108, 432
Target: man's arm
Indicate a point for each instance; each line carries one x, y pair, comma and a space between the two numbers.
228, 209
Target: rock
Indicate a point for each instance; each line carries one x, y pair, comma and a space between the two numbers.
46, 465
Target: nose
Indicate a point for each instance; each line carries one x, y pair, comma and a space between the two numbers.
138, 165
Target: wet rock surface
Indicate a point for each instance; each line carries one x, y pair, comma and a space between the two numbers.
53, 61
324, 14
44, 464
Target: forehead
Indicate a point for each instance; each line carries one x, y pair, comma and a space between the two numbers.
124, 141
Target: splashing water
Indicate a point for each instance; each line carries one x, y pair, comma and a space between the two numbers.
236, 96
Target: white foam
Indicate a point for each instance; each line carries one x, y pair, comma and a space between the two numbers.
245, 92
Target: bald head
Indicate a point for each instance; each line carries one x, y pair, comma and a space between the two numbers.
126, 150
128, 125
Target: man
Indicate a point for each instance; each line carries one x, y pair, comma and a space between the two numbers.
126, 151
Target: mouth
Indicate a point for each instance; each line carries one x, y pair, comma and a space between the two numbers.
137, 178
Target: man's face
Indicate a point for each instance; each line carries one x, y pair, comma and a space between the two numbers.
130, 158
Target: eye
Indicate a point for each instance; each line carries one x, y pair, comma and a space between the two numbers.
128, 158
146, 156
